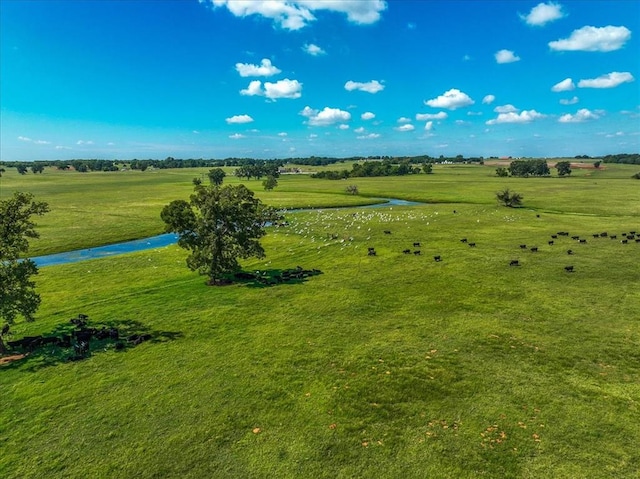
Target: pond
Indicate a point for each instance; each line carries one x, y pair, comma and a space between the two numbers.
167, 239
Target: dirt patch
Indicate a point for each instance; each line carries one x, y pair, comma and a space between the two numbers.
10, 359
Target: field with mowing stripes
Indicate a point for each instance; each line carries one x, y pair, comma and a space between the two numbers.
387, 365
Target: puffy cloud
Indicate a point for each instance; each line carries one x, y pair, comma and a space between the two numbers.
83, 142
428, 126
565, 85
543, 13
610, 80
313, 50
239, 119
581, 115
297, 14
488, 99
359, 130
593, 39
506, 56
281, 89
370, 136
236, 136
505, 109
525, 116
344, 126
405, 127
374, 86
441, 115
41, 142
450, 100
254, 88
282, 134
569, 101
404, 119
368, 115
328, 116
265, 69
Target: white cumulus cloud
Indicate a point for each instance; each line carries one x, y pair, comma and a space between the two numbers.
610, 80
370, 136
367, 115
506, 56
297, 14
593, 39
236, 136
488, 99
328, 116
565, 85
313, 50
441, 115
505, 109
450, 100
404, 119
281, 89
405, 127
569, 101
344, 126
239, 119
265, 69
84, 142
428, 126
581, 115
525, 116
543, 13
374, 86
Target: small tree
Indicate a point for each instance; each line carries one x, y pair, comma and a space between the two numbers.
216, 176
17, 291
218, 226
502, 172
509, 198
352, 190
564, 168
597, 164
636, 176
22, 169
270, 183
428, 168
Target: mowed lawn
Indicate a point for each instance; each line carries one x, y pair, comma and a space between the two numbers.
391, 365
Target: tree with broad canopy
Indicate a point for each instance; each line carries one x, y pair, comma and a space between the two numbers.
18, 296
219, 225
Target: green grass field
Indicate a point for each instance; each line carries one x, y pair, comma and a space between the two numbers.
383, 366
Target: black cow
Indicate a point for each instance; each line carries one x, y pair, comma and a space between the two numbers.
534, 249
406, 251
613, 236
575, 237
473, 245
437, 258
604, 235
523, 246
624, 241
514, 262
416, 252
583, 241
568, 269
597, 235
463, 240
387, 232
554, 236
551, 243
569, 251
416, 245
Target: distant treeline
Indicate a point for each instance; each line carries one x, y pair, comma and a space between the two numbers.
385, 167
628, 158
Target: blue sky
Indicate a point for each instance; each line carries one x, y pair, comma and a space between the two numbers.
221, 78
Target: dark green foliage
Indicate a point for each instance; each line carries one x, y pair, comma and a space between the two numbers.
17, 291
352, 190
630, 159
636, 176
386, 167
597, 164
22, 169
564, 168
37, 168
509, 198
428, 168
216, 176
502, 172
270, 183
219, 225
525, 168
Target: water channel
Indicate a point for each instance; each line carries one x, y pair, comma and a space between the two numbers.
168, 239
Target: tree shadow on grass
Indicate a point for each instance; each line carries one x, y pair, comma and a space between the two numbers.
77, 343
274, 277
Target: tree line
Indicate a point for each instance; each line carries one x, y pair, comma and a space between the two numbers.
375, 168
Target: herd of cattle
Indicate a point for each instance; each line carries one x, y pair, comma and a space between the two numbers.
288, 275
78, 339
627, 238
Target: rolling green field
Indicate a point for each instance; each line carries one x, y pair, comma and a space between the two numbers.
382, 366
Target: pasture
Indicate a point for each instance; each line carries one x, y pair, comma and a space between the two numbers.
393, 365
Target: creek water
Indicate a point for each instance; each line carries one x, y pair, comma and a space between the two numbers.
168, 239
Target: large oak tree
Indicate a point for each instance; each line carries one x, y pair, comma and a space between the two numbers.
219, 226
18, 296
